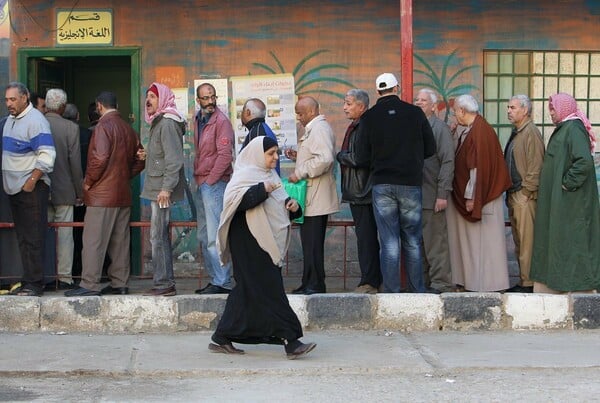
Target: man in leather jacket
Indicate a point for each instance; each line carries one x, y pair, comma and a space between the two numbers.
356, 191
112, 161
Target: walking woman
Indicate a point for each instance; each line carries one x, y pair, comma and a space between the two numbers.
254, 233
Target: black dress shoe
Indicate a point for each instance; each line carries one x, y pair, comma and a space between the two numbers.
311, 291
213, 289
299, 290
53, 286
519, 288
81, 292
199, 290
109, 289
430, 290
301, 350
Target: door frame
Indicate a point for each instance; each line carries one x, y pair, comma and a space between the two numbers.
134, 53
24, 54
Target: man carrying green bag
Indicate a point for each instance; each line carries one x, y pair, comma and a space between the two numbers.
314, 162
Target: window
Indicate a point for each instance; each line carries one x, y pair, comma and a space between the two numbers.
539, 74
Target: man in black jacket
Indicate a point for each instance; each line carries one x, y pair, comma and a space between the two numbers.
398, 139
356, 191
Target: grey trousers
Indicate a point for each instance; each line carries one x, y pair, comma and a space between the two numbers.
106, 229
436, 262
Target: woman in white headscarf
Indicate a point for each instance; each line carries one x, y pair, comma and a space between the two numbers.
254, 233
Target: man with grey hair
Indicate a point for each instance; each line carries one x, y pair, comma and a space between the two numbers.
524, 156
67, 178
27, 159
72, 113
438, 172
475, 211
253, 117
356, 190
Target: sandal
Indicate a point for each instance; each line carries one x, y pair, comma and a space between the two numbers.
15, 287
25, 291
224, 348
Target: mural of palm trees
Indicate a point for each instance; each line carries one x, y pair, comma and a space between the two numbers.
309, 80
443, 83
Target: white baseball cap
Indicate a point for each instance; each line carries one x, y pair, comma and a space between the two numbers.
386, 81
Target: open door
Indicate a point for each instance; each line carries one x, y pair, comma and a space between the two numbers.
83, 74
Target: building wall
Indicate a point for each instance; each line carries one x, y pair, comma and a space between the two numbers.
339, 43
185, 40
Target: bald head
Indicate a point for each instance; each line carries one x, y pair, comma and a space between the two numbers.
307, 108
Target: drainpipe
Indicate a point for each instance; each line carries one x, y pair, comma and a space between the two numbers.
406, 43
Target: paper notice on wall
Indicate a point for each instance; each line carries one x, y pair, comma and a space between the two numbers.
181, 101
277, 92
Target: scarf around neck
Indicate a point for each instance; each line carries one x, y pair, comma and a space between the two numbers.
166, 105
268, 222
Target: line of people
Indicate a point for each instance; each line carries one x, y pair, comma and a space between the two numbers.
415, 190
436, 194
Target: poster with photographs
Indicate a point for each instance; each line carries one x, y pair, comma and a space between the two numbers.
221, 90
277, 92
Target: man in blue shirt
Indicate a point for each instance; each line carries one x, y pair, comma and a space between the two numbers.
27, 158
253, 117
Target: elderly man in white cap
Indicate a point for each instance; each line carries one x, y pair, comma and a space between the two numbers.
399, 138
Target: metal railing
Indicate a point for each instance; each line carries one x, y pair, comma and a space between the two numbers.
201, 274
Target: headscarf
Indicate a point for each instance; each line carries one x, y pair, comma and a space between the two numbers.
268, 222
166, 104
566, 109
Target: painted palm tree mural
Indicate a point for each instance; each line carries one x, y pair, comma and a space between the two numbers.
309, 80
444, 82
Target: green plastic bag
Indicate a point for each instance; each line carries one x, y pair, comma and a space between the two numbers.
297, 191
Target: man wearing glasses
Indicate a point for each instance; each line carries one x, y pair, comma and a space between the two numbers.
213, 139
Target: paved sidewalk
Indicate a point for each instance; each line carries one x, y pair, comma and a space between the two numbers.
186, 354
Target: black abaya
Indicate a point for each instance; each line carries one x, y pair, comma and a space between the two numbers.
257, 309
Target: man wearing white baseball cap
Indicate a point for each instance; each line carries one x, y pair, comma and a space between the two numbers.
386, 81
399, 138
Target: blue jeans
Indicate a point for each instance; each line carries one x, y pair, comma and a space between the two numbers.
208, 208
162, 259
397, 211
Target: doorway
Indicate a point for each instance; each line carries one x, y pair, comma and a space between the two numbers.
83, 74
83, 78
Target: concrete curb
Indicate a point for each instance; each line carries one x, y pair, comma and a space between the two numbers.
402, 312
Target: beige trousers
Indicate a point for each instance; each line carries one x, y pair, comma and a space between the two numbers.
521, 211
64, 245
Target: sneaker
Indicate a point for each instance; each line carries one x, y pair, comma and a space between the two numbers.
161, 292
365, 289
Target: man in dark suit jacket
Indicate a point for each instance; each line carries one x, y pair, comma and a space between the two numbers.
72, 113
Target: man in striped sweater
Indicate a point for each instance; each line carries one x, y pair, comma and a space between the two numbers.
27, 158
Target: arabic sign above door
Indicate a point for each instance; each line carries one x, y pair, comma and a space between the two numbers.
84, 27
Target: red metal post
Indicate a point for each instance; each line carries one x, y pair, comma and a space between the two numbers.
406, 41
